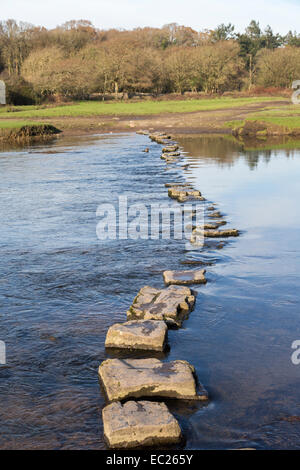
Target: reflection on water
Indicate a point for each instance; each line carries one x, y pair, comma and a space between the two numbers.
61, 288
227, 150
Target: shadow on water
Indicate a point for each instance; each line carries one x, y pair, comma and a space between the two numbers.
61, 288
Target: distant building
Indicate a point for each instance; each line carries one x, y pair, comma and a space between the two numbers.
2, 92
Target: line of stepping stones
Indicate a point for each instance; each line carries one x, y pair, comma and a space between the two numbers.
128, 421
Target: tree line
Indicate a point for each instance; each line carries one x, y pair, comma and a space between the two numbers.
76, 59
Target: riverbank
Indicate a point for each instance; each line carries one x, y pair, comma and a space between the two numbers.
276, 115
19, 132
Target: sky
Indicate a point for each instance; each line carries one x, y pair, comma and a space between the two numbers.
282, 15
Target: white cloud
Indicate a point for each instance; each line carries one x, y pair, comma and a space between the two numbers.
282, 15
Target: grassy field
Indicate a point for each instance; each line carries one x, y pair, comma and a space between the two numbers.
96, 108
226, 112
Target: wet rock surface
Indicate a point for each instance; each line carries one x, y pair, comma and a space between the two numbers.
137, 334
221, 233
142, 132
214, 233
160, 137
169, 158
139, 423
170, 148
184, 277
138, 378
213, 226
172, 156
215, 215
172, 304
183, 195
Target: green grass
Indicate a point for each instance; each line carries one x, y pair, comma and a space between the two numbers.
16, 124
94, 108
290, 123
10, 110
287, 117
290, 110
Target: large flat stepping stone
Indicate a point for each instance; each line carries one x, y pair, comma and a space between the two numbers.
183, 195
212, 233
212, 226
139, 423
138, 334
170, 156
138, 378
184, 277
221, 233
172, 304
170, 148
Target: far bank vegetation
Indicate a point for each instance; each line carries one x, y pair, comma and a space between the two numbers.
78, 61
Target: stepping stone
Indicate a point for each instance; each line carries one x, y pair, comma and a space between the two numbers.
168, 159
170, 148
139, 423
184, 277
215, 215
175, 193
169, 156
138, 334
160, 138
195, 262
200, 228
216, 233
184, 195
213, 226
142, 132
172, 305
138, 378
157, 139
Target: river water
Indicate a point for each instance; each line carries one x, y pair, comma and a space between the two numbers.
61, 288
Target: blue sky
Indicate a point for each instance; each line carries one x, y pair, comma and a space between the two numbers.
282, 15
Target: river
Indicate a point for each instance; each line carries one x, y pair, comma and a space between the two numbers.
61, 288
